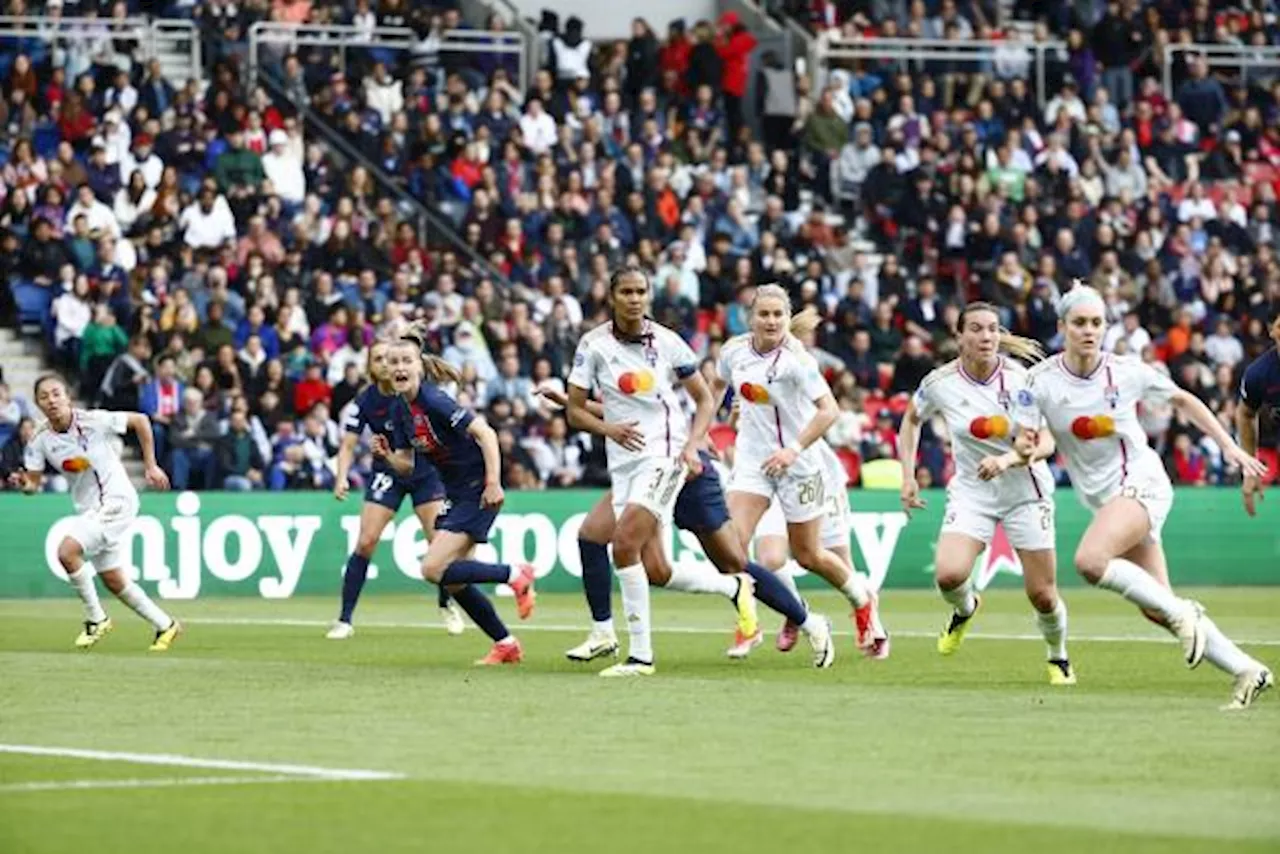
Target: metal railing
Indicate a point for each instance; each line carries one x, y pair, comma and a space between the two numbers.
925, 56
289, 37
475, 12
155, 37
1221, 57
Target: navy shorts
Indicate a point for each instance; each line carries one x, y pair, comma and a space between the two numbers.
700, 507
387, 490
466, 516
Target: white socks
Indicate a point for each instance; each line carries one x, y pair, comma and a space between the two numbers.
142, 605
83, 581
634, 584
1222, 653
602, 627
1135, 584
855, 590
961, 598
1053, 626
701, 579
788, 579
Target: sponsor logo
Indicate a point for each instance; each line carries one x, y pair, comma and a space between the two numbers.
1089, 427
753, 393
636, 382
75, 465
989, 427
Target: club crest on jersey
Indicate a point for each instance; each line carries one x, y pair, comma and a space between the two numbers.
1004, 399
1112, 395
424, 435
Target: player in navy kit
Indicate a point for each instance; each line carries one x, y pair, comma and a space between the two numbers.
384, 493
464, 450
1259, 398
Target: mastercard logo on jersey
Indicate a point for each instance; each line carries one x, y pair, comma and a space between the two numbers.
753, 393
636, 382
989, 427
1088, 427
75, 465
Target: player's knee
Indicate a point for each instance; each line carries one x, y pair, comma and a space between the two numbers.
114, 581
69, 554
1044, 599
433, 570
1091, 563
626, 545
366, 544
950, 575
806, 555
771, 558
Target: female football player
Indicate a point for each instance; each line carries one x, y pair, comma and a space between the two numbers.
78, 444
993, 483
464, 449
384, 493
652, 450
785, 408
1089, 401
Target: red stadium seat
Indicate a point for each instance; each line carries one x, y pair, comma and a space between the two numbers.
1271, 457
722, 436
852, 462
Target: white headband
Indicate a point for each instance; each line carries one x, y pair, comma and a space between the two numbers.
1080, 294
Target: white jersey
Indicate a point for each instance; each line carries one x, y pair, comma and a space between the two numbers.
980, 421
85, 456
638, 380
1094, 420
776, 392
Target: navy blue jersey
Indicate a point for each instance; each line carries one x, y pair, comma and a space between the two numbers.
435, 427
1260, 387
371, 410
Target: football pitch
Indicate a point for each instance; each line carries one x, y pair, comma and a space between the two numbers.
255, 734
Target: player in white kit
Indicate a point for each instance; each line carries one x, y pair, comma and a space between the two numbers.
637, 364
993, 483
785, 407
1089, 400
77, 443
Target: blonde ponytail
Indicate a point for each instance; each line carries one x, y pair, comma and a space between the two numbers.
1025, 349
806, 322
434, 369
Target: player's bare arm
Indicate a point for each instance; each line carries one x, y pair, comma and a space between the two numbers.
705, 410
997, 464
1201, 416
582, 417
908, 444
488, 441
818, 425
342, 469
401, 461
141, 427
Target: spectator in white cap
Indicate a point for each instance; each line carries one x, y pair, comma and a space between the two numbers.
284, 170
116, 134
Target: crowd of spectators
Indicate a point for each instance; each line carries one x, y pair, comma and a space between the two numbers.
191, 252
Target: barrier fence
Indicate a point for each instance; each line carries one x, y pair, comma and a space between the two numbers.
277, 545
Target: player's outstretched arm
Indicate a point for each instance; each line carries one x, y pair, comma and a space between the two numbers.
908, 446
559, 398
27, 481
1201, 416
141, 427
1247, 429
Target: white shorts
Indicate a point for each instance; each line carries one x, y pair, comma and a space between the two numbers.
1028, 526
653, 483
1156, 497
835, 521
802, 497
101, 533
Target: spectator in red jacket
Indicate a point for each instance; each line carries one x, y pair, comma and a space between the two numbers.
673, 56
311, 390
734, 43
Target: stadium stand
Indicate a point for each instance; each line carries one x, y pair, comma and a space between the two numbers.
219, 249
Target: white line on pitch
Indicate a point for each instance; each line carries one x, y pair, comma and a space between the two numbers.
176, 761
688, 630
150, 783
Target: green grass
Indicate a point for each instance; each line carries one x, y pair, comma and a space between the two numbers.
919, 753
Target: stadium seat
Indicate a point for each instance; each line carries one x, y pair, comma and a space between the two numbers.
852, 462
32, 302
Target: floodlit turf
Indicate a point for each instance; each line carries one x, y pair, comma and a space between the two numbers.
919, 753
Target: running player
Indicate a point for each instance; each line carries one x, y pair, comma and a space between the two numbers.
76, 442
384, 494
1259, 393
1089, 400
464, 449
700, 509
637, 364
785, 408
975, 396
